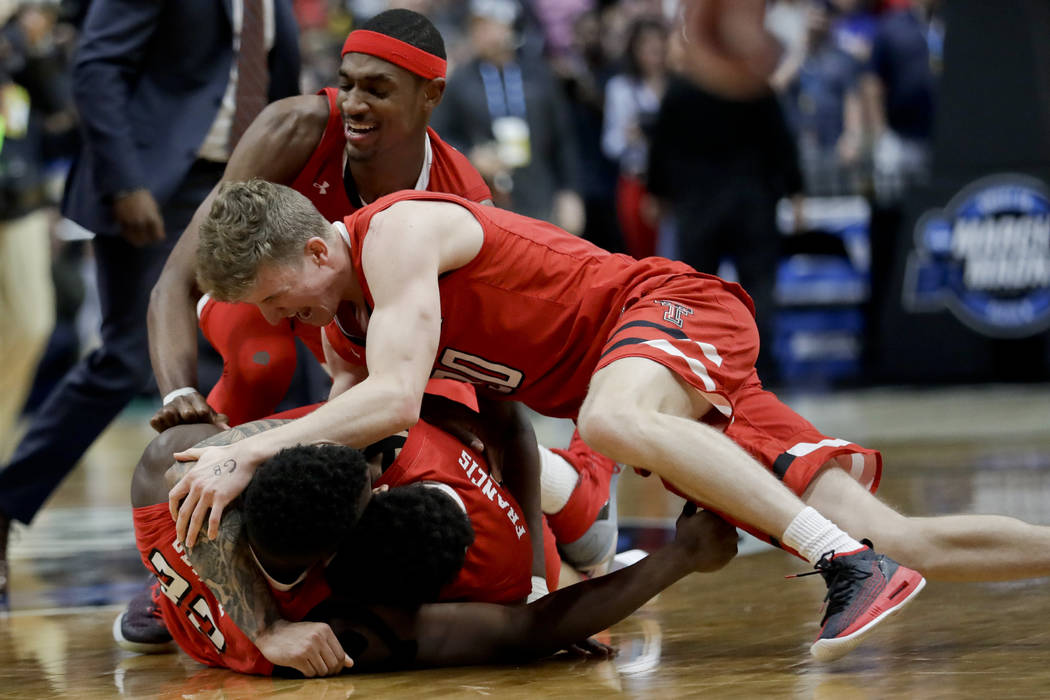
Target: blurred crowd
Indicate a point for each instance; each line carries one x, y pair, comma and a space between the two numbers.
575, 111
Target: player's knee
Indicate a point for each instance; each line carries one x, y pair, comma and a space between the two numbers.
148, 485
613, 431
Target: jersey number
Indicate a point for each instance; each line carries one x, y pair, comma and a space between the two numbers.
175, 587
465, 367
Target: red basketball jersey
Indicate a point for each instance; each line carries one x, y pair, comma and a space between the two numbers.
498, 565
191, 613
526, 319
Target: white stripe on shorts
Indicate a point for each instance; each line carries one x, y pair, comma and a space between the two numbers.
698, 369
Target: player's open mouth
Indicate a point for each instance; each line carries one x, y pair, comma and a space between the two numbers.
354, 133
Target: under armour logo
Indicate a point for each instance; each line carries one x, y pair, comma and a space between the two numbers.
675, 311
322, 187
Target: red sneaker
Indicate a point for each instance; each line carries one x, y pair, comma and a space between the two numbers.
864, 588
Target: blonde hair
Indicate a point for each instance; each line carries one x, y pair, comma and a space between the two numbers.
250, 224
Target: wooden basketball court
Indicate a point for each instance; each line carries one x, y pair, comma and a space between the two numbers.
740, 633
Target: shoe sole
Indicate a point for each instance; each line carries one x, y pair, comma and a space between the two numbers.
831, 649
138, 647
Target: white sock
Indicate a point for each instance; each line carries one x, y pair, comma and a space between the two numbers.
812, 535
557, 481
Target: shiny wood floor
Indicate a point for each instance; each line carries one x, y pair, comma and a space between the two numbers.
740, 633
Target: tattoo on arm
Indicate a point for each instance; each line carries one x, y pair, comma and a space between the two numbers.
225, 564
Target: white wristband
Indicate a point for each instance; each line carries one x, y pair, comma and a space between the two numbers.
172, 395
539, 589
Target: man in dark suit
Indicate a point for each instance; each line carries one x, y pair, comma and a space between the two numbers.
164, 90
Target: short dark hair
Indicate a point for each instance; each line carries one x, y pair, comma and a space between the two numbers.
409, 544
638, 30
305, 500
410, 27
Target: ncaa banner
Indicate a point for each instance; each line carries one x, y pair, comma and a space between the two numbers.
985, 257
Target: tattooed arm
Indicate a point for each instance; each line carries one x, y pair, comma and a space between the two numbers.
226, 565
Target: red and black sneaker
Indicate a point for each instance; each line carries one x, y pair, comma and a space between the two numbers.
864, 588
140, 628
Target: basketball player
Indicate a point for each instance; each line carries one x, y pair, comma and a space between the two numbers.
340, 148
654, 359
430, 552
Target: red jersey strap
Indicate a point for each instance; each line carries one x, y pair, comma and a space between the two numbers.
357, 226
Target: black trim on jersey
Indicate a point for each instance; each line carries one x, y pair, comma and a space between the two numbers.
622, 343
782, 464
387, 447
676, 333
350, 187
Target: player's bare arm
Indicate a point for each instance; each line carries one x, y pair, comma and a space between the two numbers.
448, 634
512, 450
275, 147
344, 374
407, 248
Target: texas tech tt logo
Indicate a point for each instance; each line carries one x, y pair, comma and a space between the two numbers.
675, 311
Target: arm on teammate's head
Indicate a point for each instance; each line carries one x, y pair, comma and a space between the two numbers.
275, 147
448, 634
512, 451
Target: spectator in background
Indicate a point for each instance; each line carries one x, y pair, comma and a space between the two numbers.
27, 306
584, 72
164, 90
507, 112
898, 88
35, 121
720, 159
632, 101
823, 105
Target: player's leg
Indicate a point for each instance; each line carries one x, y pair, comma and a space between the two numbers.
669, 379
950, 547
258, 359
640, 413
578, 498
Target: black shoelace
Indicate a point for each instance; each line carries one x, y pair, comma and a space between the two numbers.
840, 578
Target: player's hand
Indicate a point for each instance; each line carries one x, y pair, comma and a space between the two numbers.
309, 647
591, 648
707, 542
138, 217
188, 408
218, 477
455, 419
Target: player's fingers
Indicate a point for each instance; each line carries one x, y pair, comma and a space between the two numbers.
215, 519
195, 522
332, 659
221, 420
176, 495
190, 455
306, 667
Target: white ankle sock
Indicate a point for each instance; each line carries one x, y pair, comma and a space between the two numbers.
812, 535
557, 481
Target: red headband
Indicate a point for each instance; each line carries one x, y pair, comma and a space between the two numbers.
424, 64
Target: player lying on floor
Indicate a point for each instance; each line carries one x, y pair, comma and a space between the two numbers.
408, 561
